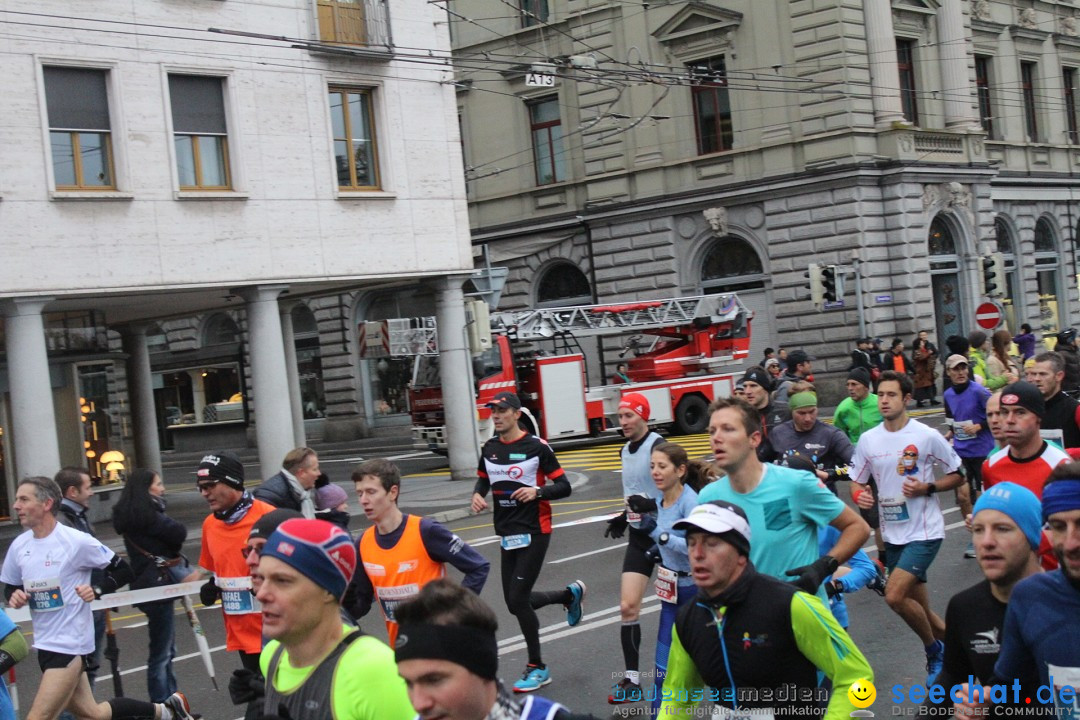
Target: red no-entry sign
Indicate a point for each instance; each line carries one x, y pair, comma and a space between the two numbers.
988, 315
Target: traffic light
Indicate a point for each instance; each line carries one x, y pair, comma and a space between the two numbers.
817, 288
831, 291
993, 275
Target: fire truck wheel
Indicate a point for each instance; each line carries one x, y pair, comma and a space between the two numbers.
692, 415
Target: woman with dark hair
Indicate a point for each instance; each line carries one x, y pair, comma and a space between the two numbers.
153, 541
922, 357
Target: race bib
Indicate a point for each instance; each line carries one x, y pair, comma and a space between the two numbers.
515, 542
633, 517
236, 597
667, 585
958, 431
894, 510
1060, 677
391, 597
1055, 436
45, 595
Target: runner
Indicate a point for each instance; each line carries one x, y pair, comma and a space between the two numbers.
48, 568
826, 447
901, 454
856, 414
401, 553
747, 636
220, 479
785, 506
316, 666
13, 650
640, 495
965, 411
1026, 458
524, 476
757, 390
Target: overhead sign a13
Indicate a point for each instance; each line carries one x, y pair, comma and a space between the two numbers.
535, 79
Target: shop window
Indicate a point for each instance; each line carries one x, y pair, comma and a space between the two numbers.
101, 439
905, 65
199, 132
1047, 274
390, 376
193, 396
80, 134
563, 284
309, 362
355, 151
712, 105
731, 264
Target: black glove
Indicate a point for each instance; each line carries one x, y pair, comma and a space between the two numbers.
246, 686
832, 589
641, 504
810, 576
209, 593
653, 554
281, 714
647, 524
616, 526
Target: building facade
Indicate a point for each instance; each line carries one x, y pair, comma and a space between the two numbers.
622, 151
191, 195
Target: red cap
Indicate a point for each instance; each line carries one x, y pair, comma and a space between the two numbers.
637, 403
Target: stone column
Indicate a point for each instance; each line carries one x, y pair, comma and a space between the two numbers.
33, 420
141, 396
198, 395
295, 400
455, 369
955, 83
881, 54
269, 378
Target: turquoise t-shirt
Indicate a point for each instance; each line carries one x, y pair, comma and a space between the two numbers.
785, 511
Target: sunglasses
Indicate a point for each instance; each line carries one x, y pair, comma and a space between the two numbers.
207, 486
249, 549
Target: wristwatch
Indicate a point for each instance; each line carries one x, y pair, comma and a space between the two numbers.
664, 537
931, 488
97, 591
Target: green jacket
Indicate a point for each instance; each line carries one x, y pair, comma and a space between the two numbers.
855, 418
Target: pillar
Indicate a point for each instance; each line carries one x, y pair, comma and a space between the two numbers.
881, 54
455, 369
955, 83
33, 420
269, 379
291, 369
198, 395
141, 396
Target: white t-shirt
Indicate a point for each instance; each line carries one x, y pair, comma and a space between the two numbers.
893, 458
48, 569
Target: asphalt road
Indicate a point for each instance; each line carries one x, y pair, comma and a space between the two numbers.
583, 659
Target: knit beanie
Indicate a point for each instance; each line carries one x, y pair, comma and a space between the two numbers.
321, 551
860, 375
1019, 503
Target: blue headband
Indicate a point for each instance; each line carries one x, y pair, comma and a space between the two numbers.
1019, 503
1061, 496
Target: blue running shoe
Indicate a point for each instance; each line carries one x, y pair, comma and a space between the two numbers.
934, 660
532, 679
574, 610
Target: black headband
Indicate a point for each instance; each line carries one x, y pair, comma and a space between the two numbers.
473, 649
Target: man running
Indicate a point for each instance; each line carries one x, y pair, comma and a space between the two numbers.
316, 666
1026, 458
856, 414
785, 506
804, 435
640, 494
48, 568
524, 476
1060, 423
965, 410
901, 454
757, 390
401, 553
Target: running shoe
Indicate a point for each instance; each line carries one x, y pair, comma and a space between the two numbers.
969, 553
934, 660
626, 691
532, 679
878, 583
179, 707
574, 610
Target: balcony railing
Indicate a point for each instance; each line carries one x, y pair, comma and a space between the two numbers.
364, 23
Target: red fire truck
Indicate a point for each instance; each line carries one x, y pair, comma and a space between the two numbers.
678, 347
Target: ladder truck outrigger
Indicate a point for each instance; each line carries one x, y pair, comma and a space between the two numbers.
537, 354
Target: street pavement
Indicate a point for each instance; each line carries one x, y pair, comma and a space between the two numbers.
584, 660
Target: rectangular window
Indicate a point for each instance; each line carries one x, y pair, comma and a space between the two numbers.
533, 12
1027, 85
905, 64
712, 106
355, 151
199, 132
1068, 76
982, 88
79, 131
342, 21
546, 127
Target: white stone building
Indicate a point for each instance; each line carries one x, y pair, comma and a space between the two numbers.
169, 171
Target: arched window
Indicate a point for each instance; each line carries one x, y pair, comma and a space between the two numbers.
220, 329
563, 284
945, 280
731, 263
941, 239
1047, 265
1007, 248
308, 362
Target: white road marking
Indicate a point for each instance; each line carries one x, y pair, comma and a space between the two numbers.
586, 554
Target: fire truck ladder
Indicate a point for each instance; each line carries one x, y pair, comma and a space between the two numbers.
620, 319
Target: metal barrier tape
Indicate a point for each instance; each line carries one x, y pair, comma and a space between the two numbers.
128, 597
